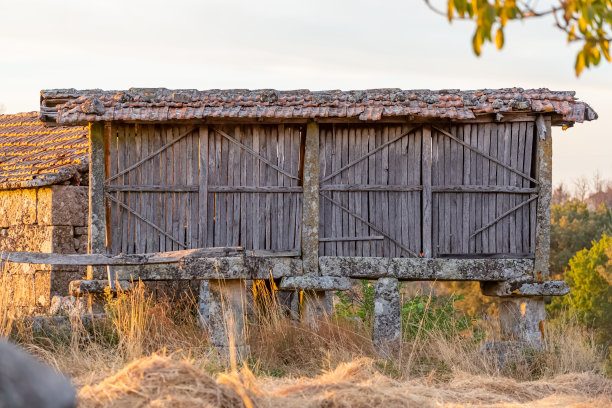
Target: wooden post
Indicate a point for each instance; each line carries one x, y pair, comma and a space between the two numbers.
544, 177
97, 210
310, 201
427, 196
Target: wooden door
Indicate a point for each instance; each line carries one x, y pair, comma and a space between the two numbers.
176, 187
370, 186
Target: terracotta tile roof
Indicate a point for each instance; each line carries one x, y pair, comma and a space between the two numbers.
32, 154
70, 106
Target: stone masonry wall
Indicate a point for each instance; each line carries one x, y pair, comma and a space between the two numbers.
47, 219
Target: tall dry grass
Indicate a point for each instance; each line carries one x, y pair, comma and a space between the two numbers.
282, 346
7, 304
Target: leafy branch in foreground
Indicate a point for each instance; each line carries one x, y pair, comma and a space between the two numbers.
588, 22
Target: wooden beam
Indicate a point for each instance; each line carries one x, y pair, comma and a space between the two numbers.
544, 177
96, 243
203, 188
368, 238
476, 188
369, 187
122, 259
426, 204
310, 200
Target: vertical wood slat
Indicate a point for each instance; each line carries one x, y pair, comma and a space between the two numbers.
500, 198
435, 205
212, 157
520, 228
310, 201
465, 236
203, 221
97, 209
194, 200
492, 177
544, 177
280, 198
526, 183
122, 158
354, 199
426, 180
345, 196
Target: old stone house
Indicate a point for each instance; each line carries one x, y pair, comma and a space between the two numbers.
43, 204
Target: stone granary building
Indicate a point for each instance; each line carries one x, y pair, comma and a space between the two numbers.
43, 204
314, 188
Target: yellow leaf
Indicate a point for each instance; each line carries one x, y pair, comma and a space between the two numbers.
499, 38
582, 24
477, 43
605, 48
580, 63
451, 6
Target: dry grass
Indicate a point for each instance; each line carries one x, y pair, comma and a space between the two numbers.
154, 354
160, 381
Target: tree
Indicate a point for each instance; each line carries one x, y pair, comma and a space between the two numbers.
589, 278
573, 228
588, 22
560, 195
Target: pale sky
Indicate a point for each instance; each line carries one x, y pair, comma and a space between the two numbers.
314, 44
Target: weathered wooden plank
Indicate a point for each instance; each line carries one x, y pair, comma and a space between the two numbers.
370, 152
435, 205
115, 209
157, 179
254, 152
121, 259
151, 155
268, 176
513, 181
188, 198
384, 179
255, 200
419, 269
426, 176
499, 180
170, 209
544, 176
372, 226
294, 215
407, 223
97, 209
162, 180
505, 214
353, 148
272, 180
485, 180
236, 181
345, 197
352, 238
280, 198
465, 233
219, 198
453, 238
474, 178
203, 221
310, 206
143, 219
108, 132
519, 182
447, 174
372, 180
134, 200
126, 132
336, 164
229, 198
480, 238
223, 199
458, 179
486, 155
194, 197
528, 225
372, 187
394, 221
245, 138
491, 181
508, 201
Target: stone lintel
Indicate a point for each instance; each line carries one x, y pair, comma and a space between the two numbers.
447, 269
85, 287
522, 289
233, 267
315, 282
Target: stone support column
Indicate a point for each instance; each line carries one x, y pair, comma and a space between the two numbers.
227, 317
387, 331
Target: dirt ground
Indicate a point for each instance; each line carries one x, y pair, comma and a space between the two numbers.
160, 381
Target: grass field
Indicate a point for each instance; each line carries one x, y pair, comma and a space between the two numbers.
154, 354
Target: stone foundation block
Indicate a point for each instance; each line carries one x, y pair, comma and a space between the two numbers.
227, 311
17, 207
387, 331
63, 205
522, 319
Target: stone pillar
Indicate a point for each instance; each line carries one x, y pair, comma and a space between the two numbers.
387, 331
289, 300
203, 304
522, 319
314, 306
227, 319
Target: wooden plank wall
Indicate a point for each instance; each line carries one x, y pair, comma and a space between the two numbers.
456, 215
254, 220
396, 213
